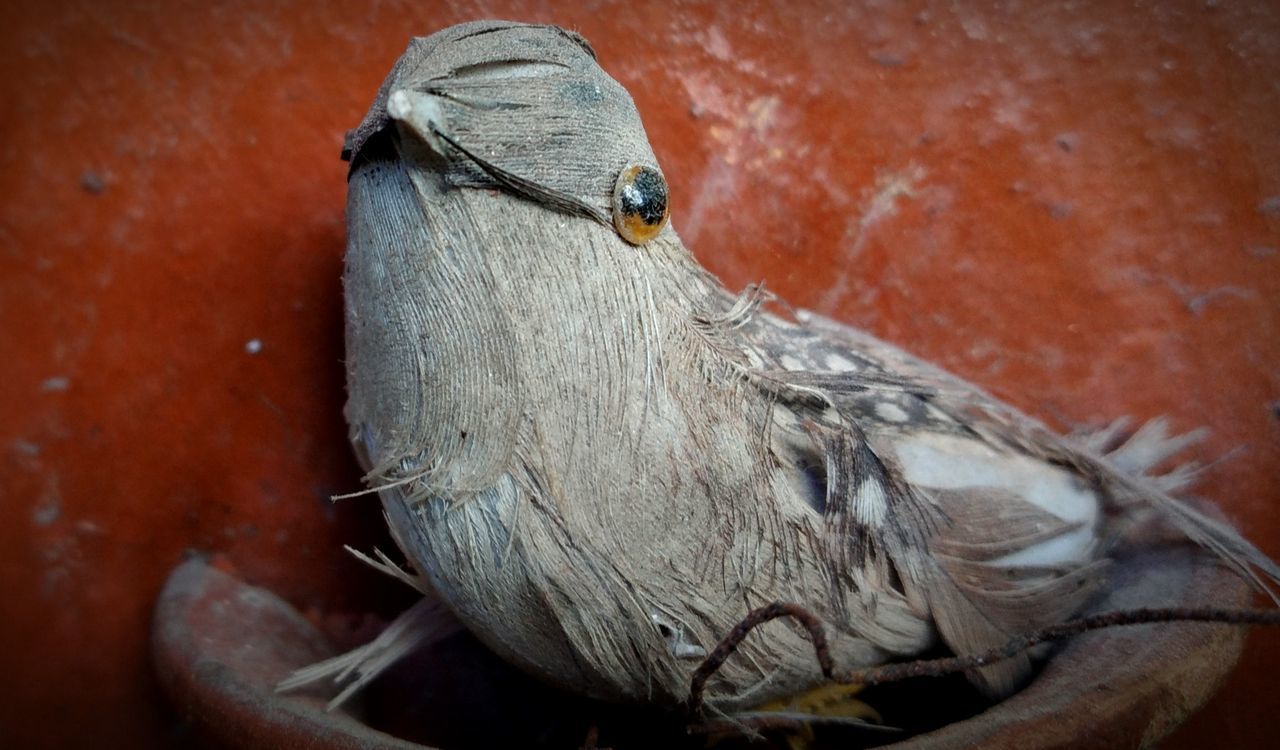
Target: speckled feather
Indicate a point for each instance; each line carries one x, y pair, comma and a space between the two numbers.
600, 460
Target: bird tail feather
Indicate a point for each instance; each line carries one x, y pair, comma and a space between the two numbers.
1133, 465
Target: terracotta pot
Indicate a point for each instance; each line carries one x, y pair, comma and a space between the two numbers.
222, 647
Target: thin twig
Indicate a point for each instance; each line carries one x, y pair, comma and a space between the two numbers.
947, 665
755, 618
937, 667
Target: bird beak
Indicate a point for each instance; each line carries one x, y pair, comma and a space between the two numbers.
420, 114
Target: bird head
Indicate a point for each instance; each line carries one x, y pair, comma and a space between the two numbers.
525, 110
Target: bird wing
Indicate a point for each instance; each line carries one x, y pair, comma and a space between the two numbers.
991, 522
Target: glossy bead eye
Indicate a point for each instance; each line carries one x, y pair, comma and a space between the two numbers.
640, 207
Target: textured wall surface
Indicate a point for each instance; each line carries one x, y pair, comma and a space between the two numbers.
1076, 205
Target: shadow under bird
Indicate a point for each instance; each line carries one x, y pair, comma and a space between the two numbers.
598, 460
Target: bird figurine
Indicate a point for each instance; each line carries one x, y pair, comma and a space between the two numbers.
599, 460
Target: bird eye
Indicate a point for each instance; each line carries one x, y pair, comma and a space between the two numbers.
640, 206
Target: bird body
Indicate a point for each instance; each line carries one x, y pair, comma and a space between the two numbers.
600, 459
